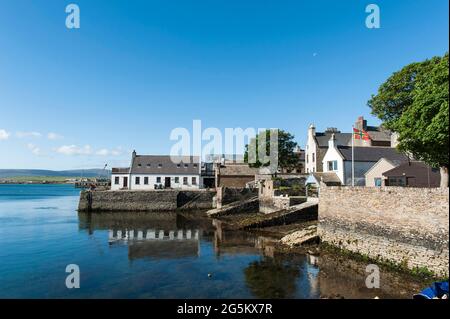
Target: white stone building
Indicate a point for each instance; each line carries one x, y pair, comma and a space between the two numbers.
317, 142
148, 172
338, 159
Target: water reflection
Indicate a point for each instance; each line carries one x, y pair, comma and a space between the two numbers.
175, 236
243, 264
240, 242
148, 236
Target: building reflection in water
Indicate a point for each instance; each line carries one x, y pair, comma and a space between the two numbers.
155, 235
240, 242
175, 235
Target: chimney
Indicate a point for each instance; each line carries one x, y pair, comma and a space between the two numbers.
332, 141
311, 130
361, 123
133, 155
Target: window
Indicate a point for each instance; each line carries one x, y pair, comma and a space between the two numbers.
195, 165
178, 165
307, 159
146, 180
139, 164
185, 180
194, 180
159, 165
158, 179
332, 166
397, 181
186, 165
177, 180
313, 157
148, 165
137, 181
116, 180
377, 182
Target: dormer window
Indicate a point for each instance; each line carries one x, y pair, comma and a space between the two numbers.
159, 165
195, 165
186, 165
178, 165
139, 165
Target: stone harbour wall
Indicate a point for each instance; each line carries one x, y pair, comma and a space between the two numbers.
406, 226
154, 200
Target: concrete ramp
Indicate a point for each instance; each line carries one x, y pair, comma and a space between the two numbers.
247, 206
307, 211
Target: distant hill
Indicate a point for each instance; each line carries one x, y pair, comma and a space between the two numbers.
93, 172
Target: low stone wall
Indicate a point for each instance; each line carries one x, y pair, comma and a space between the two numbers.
241, 207
155, 200
407, 226
227, 195
277, 203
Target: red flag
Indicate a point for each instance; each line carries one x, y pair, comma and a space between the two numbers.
361, 135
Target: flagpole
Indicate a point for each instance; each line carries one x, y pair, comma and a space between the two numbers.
353, 157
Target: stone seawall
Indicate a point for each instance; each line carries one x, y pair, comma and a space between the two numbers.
155, 200
407, 226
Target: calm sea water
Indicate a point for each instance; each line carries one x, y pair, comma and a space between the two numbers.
137, 255
131, 255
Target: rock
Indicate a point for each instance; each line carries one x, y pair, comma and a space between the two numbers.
301, 236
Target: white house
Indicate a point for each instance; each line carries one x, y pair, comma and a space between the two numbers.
338, 159
148, 172
317, 142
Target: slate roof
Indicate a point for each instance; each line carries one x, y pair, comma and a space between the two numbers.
371, 154
341, 139
120, 170
327, 177
376, 134
163, 164
238, 170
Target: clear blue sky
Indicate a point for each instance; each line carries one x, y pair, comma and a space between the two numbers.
137, 69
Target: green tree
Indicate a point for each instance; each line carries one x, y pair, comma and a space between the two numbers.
287, 158
414, 103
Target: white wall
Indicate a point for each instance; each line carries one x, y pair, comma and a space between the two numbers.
333, 154
377, 171
120, 185
310, 149
152, 178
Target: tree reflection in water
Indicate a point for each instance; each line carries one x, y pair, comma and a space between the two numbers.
270, 278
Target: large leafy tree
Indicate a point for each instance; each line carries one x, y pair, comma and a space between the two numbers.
414, 103
287, 158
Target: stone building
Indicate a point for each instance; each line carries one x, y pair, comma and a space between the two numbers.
317, 142
374, 176
338, 159
412, 174
148, 172
232, 174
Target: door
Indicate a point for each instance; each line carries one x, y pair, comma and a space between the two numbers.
125, 182
167, 182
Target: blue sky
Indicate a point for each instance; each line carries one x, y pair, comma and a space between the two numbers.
135, 70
